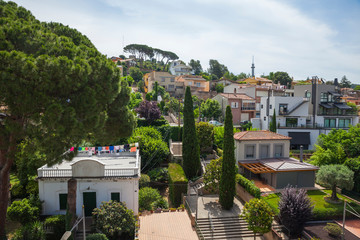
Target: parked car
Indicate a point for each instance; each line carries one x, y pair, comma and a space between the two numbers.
215, 123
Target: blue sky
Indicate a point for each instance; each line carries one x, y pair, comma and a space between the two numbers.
302, 37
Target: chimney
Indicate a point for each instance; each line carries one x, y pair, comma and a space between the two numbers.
336, 83
301, 153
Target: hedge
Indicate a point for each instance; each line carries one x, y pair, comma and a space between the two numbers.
177, 183
156, 123
249, 186
57, 223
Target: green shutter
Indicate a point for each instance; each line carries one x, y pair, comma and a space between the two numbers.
115, 196
63, 201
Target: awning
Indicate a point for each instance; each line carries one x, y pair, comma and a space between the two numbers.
300, 138
325, 105
335, 94
257, 167
342, 106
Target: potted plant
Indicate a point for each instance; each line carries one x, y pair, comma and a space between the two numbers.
173, 209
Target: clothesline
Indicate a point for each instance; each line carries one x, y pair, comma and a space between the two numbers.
116, 148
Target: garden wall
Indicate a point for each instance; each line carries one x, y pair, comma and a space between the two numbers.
242, 193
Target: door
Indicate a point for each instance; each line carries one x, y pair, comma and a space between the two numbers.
89, 202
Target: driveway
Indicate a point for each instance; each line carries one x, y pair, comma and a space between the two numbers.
166, 226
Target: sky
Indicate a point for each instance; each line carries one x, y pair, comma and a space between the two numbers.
302, 37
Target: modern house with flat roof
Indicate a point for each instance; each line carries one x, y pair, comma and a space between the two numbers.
264, 155
88, 180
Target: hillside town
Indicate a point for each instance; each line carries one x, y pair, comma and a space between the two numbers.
146, 146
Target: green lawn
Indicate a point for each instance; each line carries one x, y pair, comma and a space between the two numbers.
322, 209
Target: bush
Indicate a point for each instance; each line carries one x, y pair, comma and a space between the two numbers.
32, 187
23, 212
175, 133
144, 181
294, 210
333, 229
212, 175
18, 191
97, 236
249, 186
114, 219
156, 123
31, 231
159, 175
152, 149
205, 134
147, 196
160, 203
57, 223
177, 183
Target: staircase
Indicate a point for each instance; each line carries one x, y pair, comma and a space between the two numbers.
223, 228
79, 231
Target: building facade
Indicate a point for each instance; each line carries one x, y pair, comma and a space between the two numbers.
89, 180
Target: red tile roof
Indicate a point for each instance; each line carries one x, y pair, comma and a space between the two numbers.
259, 135
242, 96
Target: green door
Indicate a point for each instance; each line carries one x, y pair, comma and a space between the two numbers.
89, 202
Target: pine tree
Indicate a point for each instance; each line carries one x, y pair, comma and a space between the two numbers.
227, 180
190, 148
272, 126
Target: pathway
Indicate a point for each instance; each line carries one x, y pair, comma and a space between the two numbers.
166, 226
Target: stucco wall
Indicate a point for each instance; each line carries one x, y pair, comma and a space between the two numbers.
240, 148
49, 191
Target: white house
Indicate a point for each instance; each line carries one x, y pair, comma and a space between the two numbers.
177, 68
91, 179
312, 111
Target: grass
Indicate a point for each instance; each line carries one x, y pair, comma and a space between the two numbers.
176, 173
322, 209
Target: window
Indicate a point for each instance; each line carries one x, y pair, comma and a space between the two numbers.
198, 84
163, 79
291, 122
115, 196
63, 201
234, 105
264, 118
283, 108
249, 151
171, 86
270, 106
190, 83
330, 122
262, 106
264, 151
278, 150
344, 123
172, 79
323, 97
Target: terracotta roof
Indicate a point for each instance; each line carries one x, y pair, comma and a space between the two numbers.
242, 96
259, 135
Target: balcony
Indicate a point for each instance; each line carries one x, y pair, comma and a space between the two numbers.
248, 108
67, 173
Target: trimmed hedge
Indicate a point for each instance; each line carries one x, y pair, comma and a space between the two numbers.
249, 186
156, 123
177, 183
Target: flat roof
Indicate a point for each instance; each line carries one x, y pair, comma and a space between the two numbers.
110, 161
259, 135
277, 165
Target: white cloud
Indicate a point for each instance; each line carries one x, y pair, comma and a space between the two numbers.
281, 37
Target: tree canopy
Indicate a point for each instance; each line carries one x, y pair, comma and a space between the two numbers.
216, 68
196, 66
282, 77
345, 83
56, 88
211, 109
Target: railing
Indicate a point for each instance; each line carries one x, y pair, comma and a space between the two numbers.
47, 173
54, 172
247, 108
198, 231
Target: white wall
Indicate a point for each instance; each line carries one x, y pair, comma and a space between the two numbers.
49, 191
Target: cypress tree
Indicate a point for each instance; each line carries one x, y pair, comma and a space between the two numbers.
272, 126
190, 148
228, 171
155, 96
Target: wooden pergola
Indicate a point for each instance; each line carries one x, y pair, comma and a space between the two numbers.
257, 167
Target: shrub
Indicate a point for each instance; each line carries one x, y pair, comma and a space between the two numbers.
144, 181
114, 219
333, 229
177, 183
97, 236
294, 210
249, 186
17, 191
212, 175
205, 134
23, 212
155, 123
57, 223
258, 215
32, 187
147, 196
159, 175
160, 203
175, 133
31, 231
